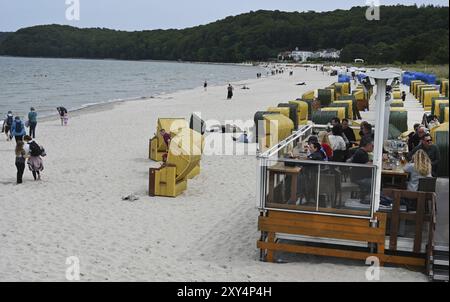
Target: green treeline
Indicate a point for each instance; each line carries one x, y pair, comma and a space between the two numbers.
405, 34
3, 36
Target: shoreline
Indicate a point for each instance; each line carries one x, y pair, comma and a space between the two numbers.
104, 104
146, 60
109, 105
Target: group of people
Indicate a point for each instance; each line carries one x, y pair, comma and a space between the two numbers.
339, 144
420, 140
13, 126
27, 150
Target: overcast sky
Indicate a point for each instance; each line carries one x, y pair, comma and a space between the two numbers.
154, 14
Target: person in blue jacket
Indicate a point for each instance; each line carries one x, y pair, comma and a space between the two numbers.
32, 122
18, 129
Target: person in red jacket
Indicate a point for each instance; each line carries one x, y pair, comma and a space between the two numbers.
325, 142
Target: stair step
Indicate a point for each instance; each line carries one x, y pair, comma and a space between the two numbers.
440, 248
442, 261
440, 277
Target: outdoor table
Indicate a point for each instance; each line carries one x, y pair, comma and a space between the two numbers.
394, 178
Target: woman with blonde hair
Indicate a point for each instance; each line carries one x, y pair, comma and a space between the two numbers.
325, 143
419, 167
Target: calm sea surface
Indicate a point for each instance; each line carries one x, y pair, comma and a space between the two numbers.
75, 83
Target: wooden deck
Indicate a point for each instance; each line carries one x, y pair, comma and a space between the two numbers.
371, 237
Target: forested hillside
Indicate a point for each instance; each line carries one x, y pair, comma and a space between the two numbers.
406, 34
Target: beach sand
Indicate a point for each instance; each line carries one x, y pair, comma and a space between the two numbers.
208, 233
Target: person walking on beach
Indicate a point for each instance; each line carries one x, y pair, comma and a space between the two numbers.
34, 151
32, 122
230, 92
20, 160
63, 115
205, 85
7, 124
18, 129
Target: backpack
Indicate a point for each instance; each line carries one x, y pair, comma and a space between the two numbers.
9, 120
35, 149
19, 127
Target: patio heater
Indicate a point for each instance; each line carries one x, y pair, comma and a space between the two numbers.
381, 78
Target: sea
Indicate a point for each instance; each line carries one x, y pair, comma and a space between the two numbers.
45, 83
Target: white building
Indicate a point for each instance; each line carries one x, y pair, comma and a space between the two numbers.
329, 53
303, 55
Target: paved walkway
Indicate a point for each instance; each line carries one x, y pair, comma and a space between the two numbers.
415, 115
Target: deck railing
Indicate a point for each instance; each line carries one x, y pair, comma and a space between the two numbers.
317, 187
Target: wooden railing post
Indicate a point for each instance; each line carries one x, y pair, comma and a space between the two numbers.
395, 217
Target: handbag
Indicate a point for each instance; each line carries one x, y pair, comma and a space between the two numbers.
43, 153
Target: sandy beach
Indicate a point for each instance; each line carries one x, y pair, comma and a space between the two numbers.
208, 233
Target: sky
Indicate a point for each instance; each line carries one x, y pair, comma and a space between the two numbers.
158, 14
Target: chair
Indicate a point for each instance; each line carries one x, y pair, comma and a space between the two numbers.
327, 189
157, 146
183, 157
339, 156
427, 184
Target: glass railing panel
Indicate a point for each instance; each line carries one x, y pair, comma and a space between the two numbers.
319, 187
345, 189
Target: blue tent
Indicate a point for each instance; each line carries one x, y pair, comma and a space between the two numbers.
342, 78
409, 76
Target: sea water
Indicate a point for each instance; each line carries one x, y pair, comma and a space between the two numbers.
76, 83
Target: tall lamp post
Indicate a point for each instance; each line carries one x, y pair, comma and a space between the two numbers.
381, 78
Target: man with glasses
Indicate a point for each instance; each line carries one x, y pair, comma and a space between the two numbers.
431, 150
415, 140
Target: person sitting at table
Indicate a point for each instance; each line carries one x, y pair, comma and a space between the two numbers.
419, 167
316, 152
414, 141
348, 132
312, 139
325, 143
434, 122
366, 130
410, 136
431, 150
307, 182
336, 140
335, 121
360, 175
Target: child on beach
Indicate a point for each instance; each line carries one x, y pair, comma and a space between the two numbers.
20, 160
35, 163
7, 124
63, 115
